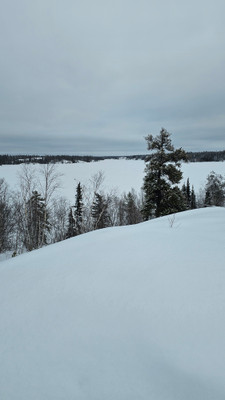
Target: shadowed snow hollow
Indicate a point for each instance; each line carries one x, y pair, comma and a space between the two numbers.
126, 313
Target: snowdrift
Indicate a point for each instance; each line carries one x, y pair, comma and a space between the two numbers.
126, 313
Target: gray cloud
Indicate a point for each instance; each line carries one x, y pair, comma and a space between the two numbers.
98, 76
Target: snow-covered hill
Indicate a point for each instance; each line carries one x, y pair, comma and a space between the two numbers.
128, 313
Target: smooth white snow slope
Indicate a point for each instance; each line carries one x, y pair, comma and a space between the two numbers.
127, 313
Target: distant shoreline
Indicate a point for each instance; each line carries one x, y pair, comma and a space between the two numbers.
6, 159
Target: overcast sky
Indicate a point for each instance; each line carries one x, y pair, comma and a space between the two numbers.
95, 77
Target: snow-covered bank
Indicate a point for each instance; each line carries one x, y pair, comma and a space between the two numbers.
132, 312
120, 174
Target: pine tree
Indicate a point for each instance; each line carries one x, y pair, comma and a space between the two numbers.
78, 213
99, 212
208, 198
71, 230
184, 193
133, 215
161, 193
193, 198
189, 195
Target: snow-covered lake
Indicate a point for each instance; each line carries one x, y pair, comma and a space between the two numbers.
120, 174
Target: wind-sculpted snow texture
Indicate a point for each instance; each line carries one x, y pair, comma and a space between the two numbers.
128, 313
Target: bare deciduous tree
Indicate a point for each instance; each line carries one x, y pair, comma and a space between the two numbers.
49, 182
7, 221
59, 219
28, 181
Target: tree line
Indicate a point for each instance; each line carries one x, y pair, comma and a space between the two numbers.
8, 159
34, 216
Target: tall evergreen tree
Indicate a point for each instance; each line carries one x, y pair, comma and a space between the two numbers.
208, 198
99, 212
161, 193
133, 215
189, 195
78, 213
193, 198
71, 230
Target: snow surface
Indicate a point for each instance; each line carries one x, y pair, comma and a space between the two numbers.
119, 174
125, 313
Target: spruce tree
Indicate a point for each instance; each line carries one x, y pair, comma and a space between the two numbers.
99, 212
184, 193
133, 215
78, 213
71, 230
162, 196
188, 190
189, 195
193, 199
